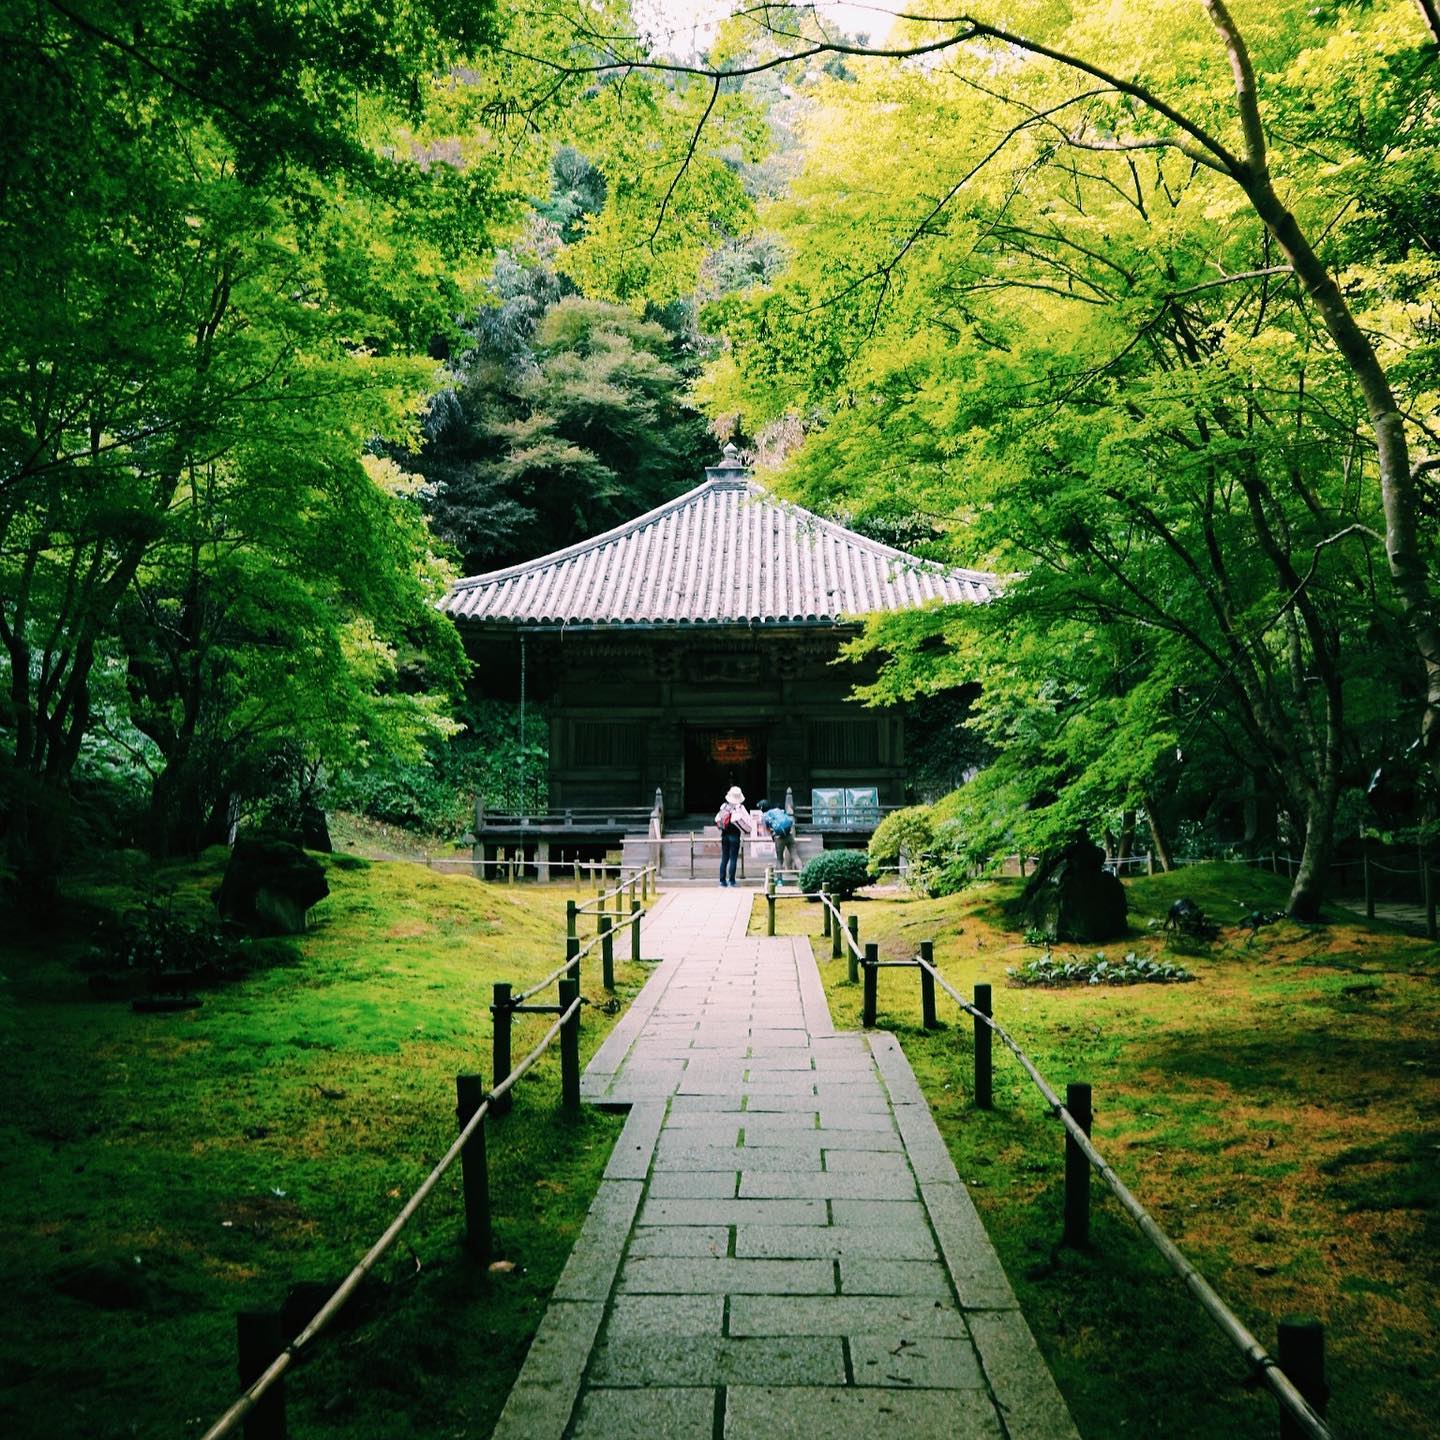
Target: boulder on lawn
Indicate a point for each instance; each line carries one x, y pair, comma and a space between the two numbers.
1073, 897
269, 884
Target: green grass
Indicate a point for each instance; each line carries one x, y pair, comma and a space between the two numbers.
162, 1172
1280, 1118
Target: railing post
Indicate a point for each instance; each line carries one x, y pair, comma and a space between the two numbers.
500, 1021
259, 1338
607, 953
1300, 1351
1427, 890
853, 947
836, 928
872, 978
769, 900
983, 1035
572, 954
927, 986
570, 1049
1077, 1169
824, 913
1369, 887
474, 1169
635, 930
571, 930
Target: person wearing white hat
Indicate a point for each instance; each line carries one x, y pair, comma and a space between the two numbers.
733, 821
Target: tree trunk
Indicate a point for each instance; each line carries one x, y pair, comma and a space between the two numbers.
1158, 843
1312, 879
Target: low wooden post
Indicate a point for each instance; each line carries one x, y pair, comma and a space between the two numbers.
571, 927
984, 1096
824, 913
635, 930
1077, 1169
1149, 862
870, 1005
853, 947
927, 986
474, 1168
577, 874
607, 953
1021, 858
500, 1021
572, 955
836, 928
570, 1049
769, 901
1300, 1351
259, 1338
1369, 887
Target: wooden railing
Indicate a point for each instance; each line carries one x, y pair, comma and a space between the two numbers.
265, 1353
1301, 1344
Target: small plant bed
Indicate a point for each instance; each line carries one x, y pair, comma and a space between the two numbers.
1280, 1121
1096, 969
164, 1171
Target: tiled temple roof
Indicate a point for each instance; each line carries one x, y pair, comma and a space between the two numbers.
724, 553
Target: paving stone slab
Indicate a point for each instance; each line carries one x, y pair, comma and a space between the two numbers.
843, 1315
930, 1363
974, 1267
651, 1240
590, 1271
726, 1276
676, 1184
676, 1414
744, 1157
1016, 1372
831, 1242
819, 1413
630, 1159
733, 1212
868, 1275
867, 1162
879, 1213
647, 1317
787, 1360
826, 1186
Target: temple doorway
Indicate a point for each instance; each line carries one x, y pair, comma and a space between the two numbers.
716, 759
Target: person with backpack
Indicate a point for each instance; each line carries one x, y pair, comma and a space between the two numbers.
733, 822
781, 825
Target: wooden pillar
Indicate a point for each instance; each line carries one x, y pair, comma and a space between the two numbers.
927, 986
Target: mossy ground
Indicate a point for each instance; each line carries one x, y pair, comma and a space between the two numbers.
163, 1172
1280, 1118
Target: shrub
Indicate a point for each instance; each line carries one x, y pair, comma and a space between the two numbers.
909, 830
1097, 970
841, 872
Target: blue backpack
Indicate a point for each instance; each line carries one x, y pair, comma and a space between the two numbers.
779, 822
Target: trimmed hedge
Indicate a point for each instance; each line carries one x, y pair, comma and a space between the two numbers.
841, 872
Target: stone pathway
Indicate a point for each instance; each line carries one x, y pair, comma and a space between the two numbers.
781, 1246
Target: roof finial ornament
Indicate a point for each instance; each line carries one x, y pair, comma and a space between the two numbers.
731, 472
730, 456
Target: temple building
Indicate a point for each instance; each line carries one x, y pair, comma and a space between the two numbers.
690, 649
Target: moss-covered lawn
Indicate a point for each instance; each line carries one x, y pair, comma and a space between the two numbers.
162, 1172
1280, 1117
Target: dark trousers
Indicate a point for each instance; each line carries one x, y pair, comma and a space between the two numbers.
729, 856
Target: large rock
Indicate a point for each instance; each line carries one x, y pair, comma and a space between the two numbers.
269, 885
1072, 897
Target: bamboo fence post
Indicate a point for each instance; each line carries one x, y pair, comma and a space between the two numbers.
984, 1070
474, 1168
1300, 1353
500, 1022
836, 927
824, 913
259, 1338
635, 913
927, 986
570, 1048
854, 924
870, 1004
571, 929
1077, 1169
607, 953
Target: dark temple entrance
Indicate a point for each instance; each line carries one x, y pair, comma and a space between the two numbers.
717, 759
